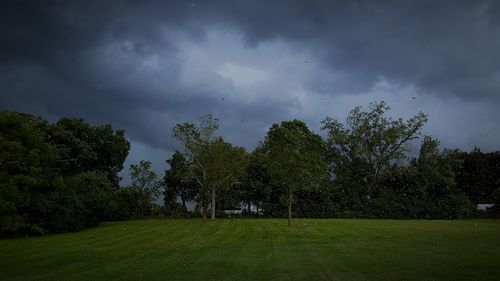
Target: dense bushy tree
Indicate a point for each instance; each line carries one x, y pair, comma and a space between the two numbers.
84, 200
178, 183
82, 147
56, 177
436, 168
479, 177
319, 202
424, 189
127, 203
293, 157
370, 137
28, 176
256, 186
366, 146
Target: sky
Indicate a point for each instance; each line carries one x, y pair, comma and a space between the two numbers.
144, 66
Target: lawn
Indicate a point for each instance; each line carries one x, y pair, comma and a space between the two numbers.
260, 249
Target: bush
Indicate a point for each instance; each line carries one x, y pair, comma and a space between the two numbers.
126, 205
36, 230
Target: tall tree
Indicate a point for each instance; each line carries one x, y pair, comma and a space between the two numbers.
367, 145
293, 158
28, 175
178, 182
256, 188
214, 164
145, 181
436, 176
56, 177
371, 137
224, 165
479, 176
90, 194
83, 147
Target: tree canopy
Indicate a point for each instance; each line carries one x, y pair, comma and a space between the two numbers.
56, 177
214, 164
63, 176
293, 156
369, 144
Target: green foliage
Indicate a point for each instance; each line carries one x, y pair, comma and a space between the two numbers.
83, 201
28, 175
56, 177
256, 187
367, 146
369, 143
178, 182
127, 204
82, 147
146, 182
480, 176
436, 176
316, 203
293, 157
64, 176
424, 189
215, 165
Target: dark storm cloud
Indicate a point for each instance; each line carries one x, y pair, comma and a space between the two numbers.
441, 46
444, 45
53, 63
130, 63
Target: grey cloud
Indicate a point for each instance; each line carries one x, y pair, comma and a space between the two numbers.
444, 46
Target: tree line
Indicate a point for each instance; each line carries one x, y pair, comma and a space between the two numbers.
63, 176
364, 167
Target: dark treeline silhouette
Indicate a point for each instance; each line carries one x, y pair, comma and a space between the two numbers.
63, 176
364, 168
59, 177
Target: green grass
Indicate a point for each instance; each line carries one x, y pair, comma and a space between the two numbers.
260, 249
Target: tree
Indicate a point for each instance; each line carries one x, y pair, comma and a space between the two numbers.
372, 137
366, 146
56, 177
178, 182
479, 176
85, 199
256, 186
128, 203
82, 147
28, 174
214, 164
224, 165
293, 158
436, 177
145, 181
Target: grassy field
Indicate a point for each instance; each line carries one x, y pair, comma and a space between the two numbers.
260, 249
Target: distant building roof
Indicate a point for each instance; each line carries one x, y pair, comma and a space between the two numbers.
484, 206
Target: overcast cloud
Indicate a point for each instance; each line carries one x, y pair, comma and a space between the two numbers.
146, 65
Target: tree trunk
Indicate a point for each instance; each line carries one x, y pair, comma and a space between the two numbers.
289, 208
204, 212
184, 208
142, 208
213, 204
